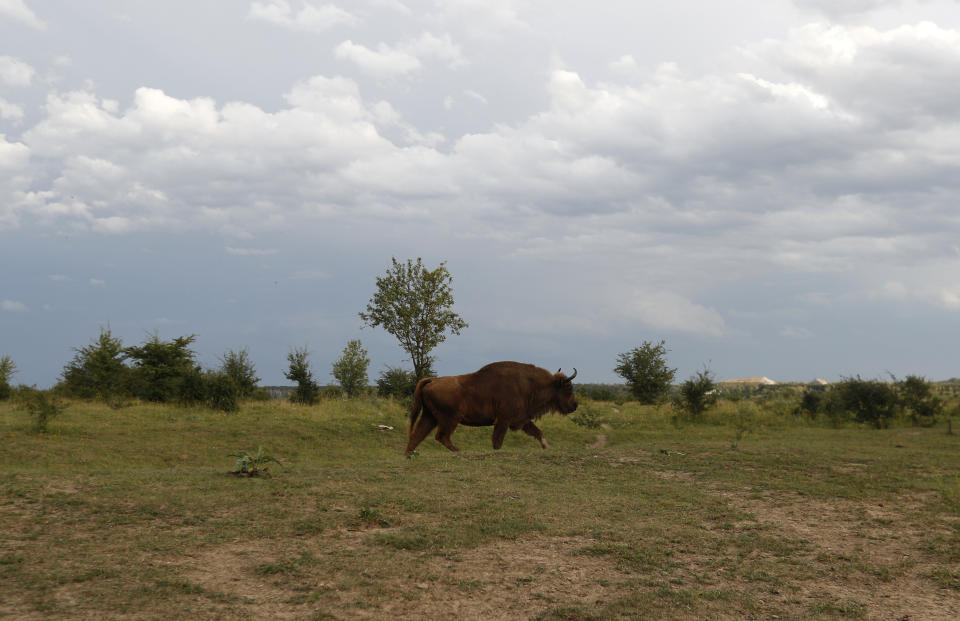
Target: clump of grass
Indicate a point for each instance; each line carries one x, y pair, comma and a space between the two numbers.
586, 417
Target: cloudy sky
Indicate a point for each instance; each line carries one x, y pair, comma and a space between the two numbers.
771, 186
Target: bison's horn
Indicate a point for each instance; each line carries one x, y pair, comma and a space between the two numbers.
570, 379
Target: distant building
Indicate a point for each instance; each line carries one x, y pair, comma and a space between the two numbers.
749, 381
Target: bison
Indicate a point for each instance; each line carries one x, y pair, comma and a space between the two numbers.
507, 395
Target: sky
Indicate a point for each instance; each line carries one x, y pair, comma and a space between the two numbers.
769, 186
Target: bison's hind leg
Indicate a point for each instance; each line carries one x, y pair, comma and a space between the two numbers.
444, 432
421, 430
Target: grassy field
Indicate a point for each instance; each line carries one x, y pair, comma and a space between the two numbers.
132, 513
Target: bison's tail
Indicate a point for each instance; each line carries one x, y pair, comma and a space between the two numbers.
417, 403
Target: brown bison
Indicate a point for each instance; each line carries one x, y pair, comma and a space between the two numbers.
507, 395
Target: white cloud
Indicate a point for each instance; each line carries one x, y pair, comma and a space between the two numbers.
10, 111
666, 310
59, 277
251, 252
844, 8
382, 62
15, 72
96, 282
310, 17
792, 332
18, 11
403, 59
13, 306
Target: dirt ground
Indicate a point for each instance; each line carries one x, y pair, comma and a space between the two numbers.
864, 557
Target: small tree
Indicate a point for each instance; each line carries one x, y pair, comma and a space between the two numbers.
351, 369
697, 394
396, 382
919, 402
299, 371
7, 370
414, 305
97, 370
238, 367
162, 368
869, 401
41, 405
646, 372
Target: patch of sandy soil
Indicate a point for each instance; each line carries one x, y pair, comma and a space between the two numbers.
862, 552
504, 580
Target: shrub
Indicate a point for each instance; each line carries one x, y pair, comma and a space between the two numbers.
696, 395
868, 401
586, 417
602, 392
222, 391
307, 391
160, 368
646, 372
7, 370
192, 388
41, 405
812, 402
97, 370
396, 382
918, 401
351, 369
240, 369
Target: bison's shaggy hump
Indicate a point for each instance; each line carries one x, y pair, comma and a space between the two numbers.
507, 395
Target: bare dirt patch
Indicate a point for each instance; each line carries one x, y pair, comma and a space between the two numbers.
503, 580
867, 557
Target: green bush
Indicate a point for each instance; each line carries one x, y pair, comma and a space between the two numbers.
602, 392
41, 405
165, 371
97, 371
696, 395
7, 371
222, 391
867, 401
240, 369
918, 401
396, 382
307, 391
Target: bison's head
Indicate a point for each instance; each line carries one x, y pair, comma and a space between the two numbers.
566, 401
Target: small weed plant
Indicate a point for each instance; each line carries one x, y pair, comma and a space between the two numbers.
253, 464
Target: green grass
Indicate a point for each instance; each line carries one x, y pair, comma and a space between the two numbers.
113, 512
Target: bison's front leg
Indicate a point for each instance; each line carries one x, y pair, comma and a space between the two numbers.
532, 430
499, 433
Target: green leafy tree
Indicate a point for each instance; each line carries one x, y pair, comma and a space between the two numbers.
7, 370
396, 382
164, 371
299, 371
98, 370
646, 372
414, 305
351, 369
868, 401
237, 366
697, 394
918, 401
